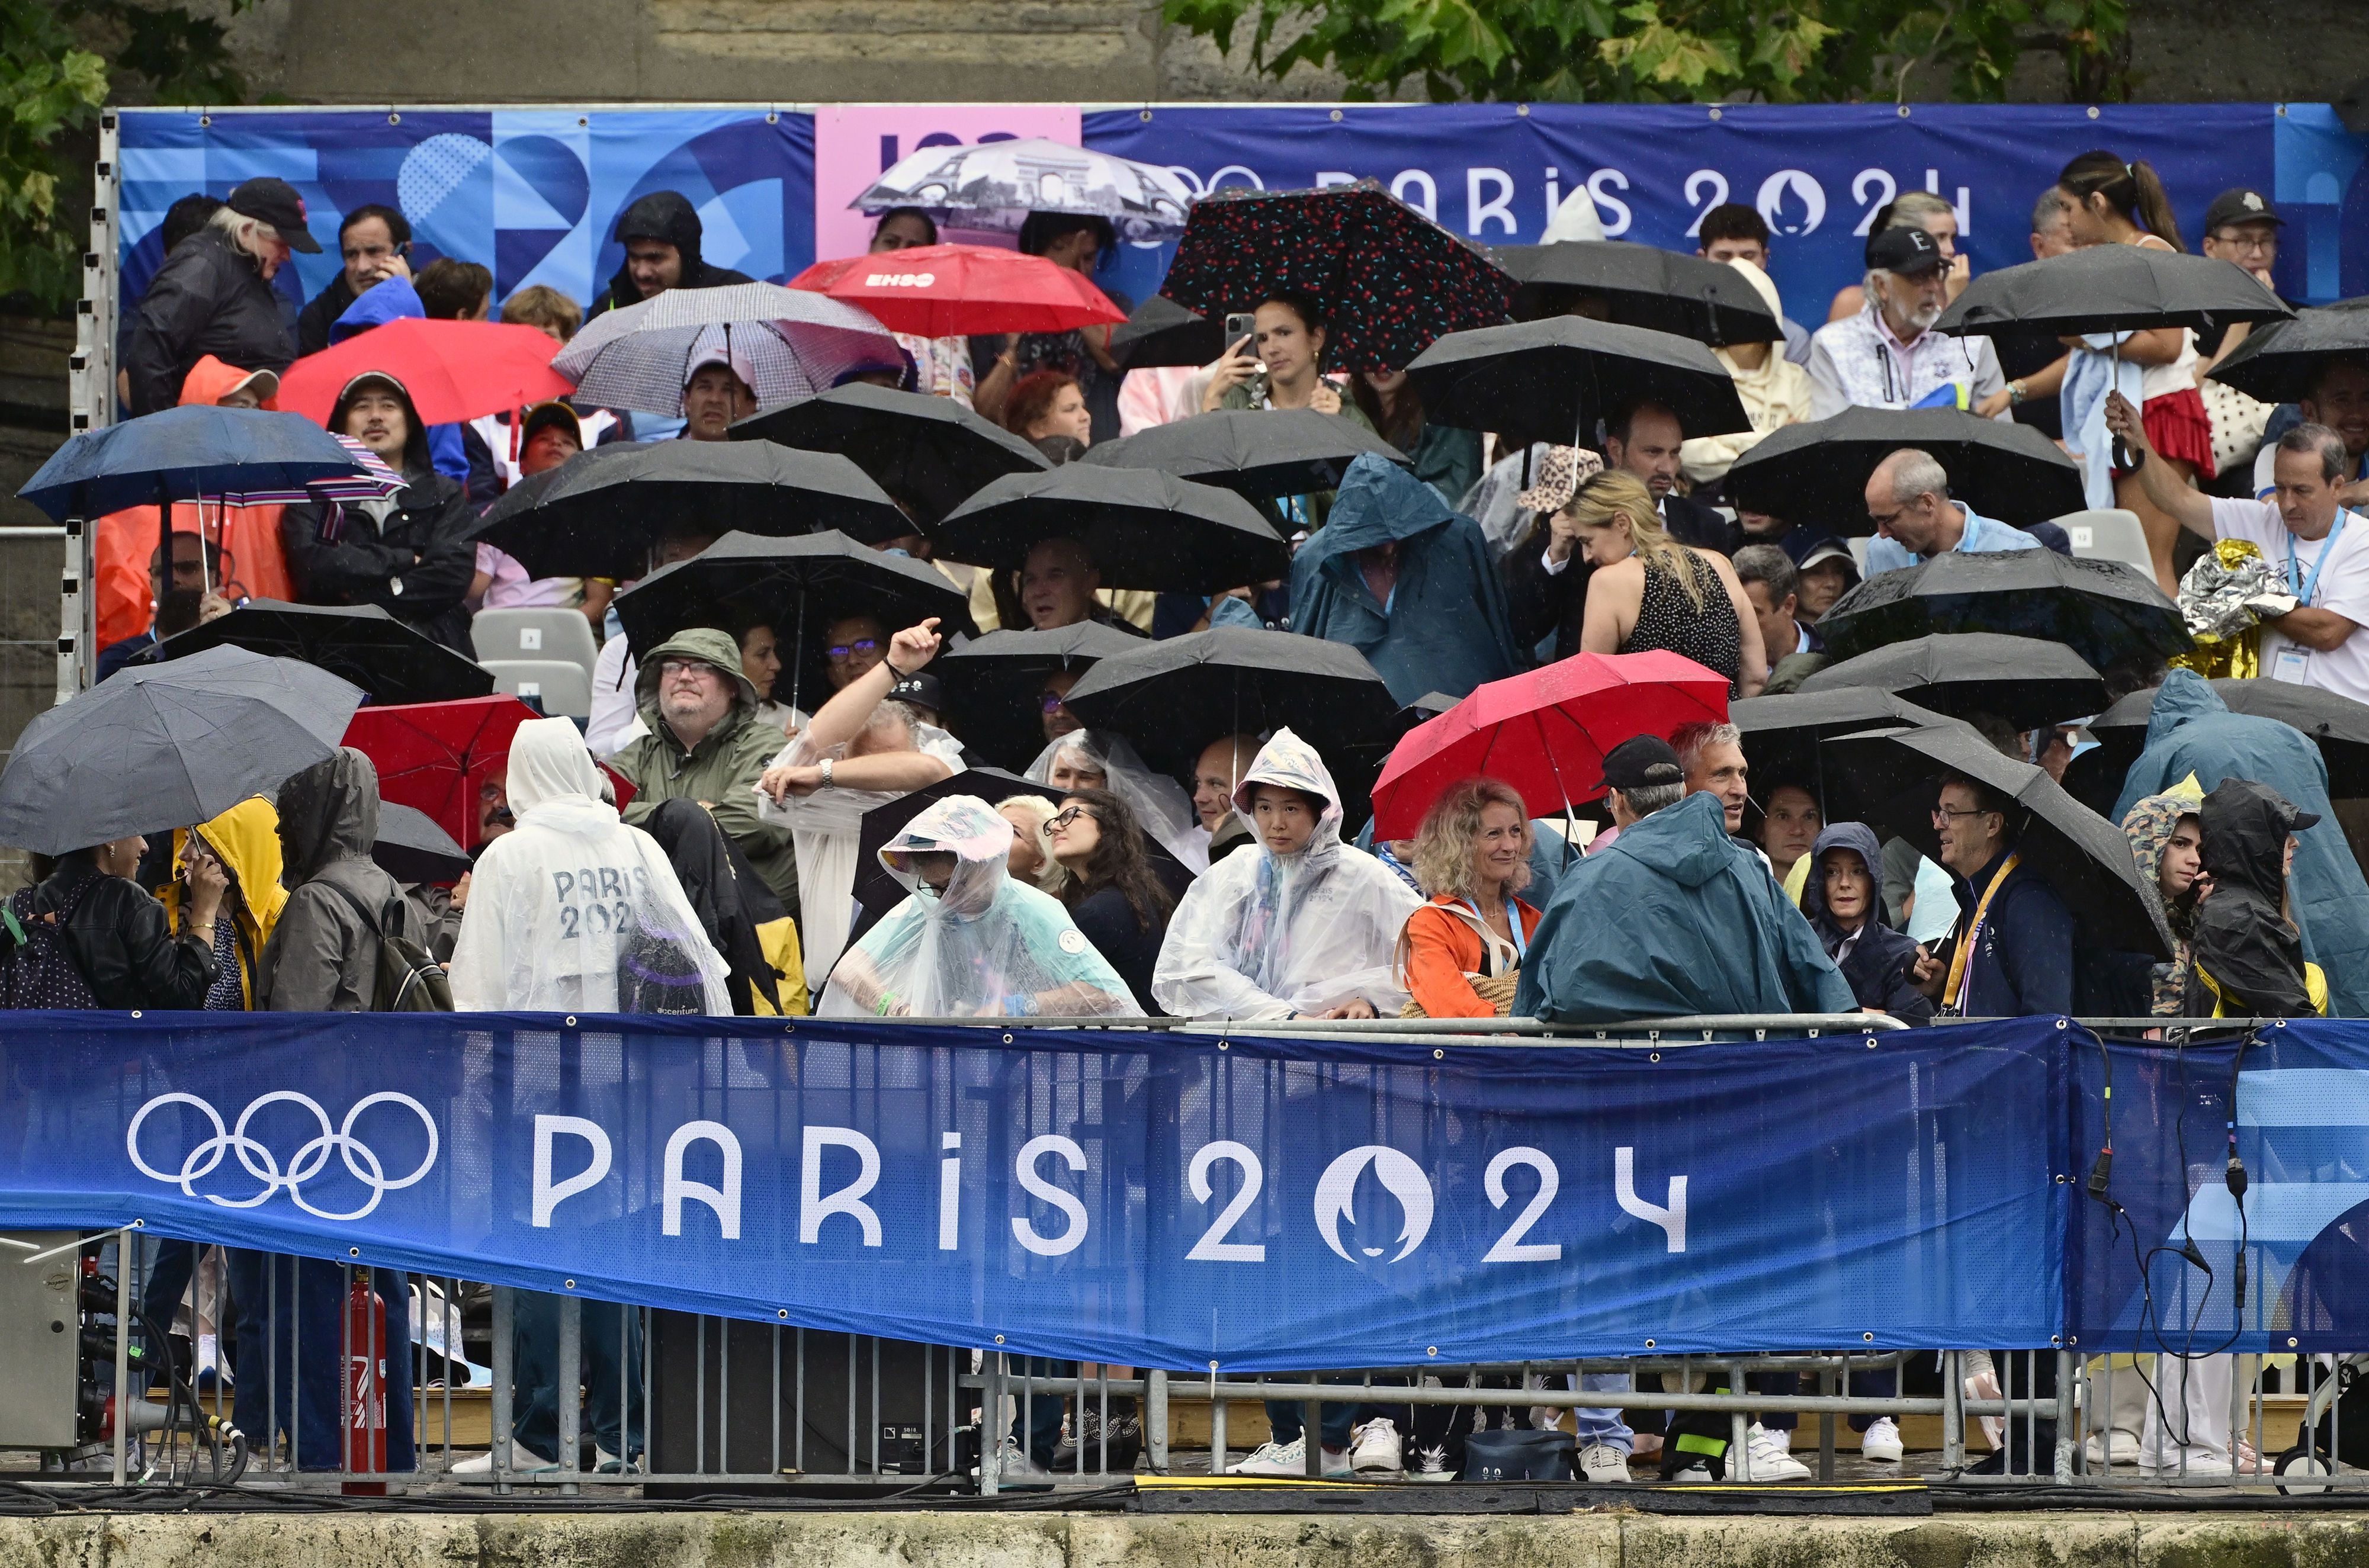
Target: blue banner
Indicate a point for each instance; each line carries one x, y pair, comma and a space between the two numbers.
2163, 1262
534, 193
1176, 1200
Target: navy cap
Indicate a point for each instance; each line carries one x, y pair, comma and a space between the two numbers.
1642, 761
2241, 205
275, 201
1907, 251
921, 690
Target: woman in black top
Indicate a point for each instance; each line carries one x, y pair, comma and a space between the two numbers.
117, 936
1113, 894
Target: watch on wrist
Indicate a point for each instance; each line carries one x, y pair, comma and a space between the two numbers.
827, 783
2016, 393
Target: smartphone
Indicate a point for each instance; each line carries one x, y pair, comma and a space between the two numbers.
1240, 325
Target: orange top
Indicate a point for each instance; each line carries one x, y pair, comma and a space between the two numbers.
1440, 948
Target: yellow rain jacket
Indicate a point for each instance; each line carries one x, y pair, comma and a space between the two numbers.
246, 839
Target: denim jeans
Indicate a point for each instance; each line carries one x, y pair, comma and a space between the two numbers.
299, 1384
1041, 1410
534, 1374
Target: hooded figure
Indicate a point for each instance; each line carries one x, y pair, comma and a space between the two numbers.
1268, 935
410, 555
572, 910
394, 299
1441, 623
721, 771
252, 563
2192, 731
1877, 962
743, 919
968, 941
1160, 802
2248, 958
663, 215
1676, 920
246, 839
2149, 825
322, 956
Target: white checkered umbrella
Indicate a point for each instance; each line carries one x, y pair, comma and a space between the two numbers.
995, 184
793, 341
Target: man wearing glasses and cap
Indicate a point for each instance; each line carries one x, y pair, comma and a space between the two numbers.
1887, 356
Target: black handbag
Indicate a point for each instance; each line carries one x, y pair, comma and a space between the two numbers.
1519, 1455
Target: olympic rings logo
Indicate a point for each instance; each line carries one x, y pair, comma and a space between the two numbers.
361, 1161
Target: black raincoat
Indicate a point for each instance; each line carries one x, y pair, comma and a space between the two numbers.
662, 215
2245, 944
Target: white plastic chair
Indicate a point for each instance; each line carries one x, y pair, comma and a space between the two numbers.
538, 632
564, 688
2110, 534
1858, 552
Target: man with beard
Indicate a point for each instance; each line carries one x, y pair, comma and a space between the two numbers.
1886, 356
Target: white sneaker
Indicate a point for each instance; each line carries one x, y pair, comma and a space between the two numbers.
523, 1461
1770, 1460
1604, 1465
1290, 1459
2198, 1468
1881, 1442
1376, 1448
1431, 1464
606, 1463
2112, 1447
1013, 1466
1697, 1473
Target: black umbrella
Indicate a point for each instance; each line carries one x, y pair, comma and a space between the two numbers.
1781, 734
796, 586
412, 848
1258, 454
2279, 363
1816, 474
929, 452
392, 660
1163, 332
2112, 287
1641, 285
992, 684
599, 514
1891, 777
152, 748
2101, 609
1551, 381
1173, 698
2337, 724
1142, 530
2022, 679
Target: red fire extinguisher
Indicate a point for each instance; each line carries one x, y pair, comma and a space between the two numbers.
365, 1387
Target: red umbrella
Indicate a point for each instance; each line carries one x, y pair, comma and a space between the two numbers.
947, 290
1545, 732
453, 369
435, 756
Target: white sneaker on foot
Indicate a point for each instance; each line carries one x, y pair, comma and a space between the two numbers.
1431, 1464
1691, 1475
1376, 1448
1881, 1442
2112, 1447
1290, 1459
523, 1461
1604, 1465
1015, 1466
1766, 1452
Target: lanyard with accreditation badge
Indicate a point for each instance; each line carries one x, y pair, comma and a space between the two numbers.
2293, 662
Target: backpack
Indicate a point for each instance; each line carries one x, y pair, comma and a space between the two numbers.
37, 968
409, 980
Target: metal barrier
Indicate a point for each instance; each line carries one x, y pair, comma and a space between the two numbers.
691, 1401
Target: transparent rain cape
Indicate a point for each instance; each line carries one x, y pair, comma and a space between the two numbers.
1159, 801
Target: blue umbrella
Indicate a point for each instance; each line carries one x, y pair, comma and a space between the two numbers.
184, 454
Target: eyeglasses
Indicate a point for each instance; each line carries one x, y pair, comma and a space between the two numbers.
1886, 520
1048, 702
1063, 817
1943, 814
2236, 239
671, 668
842, 652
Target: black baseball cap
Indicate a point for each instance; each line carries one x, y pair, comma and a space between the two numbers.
1907, 251
275, 201
921, 690
1641, 763
2241, 205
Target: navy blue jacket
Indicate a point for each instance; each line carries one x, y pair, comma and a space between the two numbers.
2023, 963
1880, 963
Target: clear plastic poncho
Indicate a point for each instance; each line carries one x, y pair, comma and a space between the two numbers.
826, 829
1264, 936
572, 910
986, 946
1158, 801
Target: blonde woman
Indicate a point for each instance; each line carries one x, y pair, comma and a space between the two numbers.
1472, 856
1031, 859
1649, 591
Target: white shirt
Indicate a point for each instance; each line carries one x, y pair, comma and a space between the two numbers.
2342, 586
1858, 361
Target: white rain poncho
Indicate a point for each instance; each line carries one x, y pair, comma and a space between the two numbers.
825, 829
1264, 936
572, 910
1158, 801
985, 946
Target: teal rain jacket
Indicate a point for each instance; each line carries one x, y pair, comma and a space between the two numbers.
1673, 919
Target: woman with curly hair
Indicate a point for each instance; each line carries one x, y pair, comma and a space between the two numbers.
1114, 895
1462, 953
